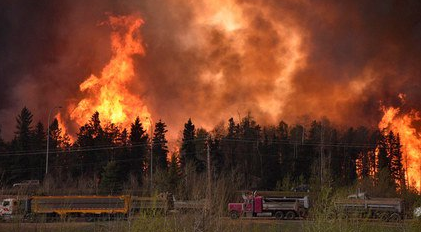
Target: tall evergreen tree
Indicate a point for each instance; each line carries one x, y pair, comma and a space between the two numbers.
55, 135
188, 146
110, 182
383, 156
285, 150
40, 137
139, 148
23, 132
384, 178
249, 150
38, 144
270, 155
302, 159
217, 158
174, 173
91, 135
397, 168
350, 155
160, 148
229, 146
20, 165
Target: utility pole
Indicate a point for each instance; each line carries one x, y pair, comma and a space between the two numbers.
150, 120
209, 187
48, 137
321, 152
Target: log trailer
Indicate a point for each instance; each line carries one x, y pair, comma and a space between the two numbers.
281, 207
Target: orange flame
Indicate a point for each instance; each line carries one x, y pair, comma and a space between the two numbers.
109, 93
410, 139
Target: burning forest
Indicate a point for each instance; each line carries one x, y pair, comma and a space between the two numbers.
279, 93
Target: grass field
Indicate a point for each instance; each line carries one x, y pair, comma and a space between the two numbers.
197, 223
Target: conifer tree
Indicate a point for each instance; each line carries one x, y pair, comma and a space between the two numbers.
110, 183
173, 173
23, 132
229, 146
160, 148
91, 135
397, 168
20, 165
188, 146
139, 148
38, 144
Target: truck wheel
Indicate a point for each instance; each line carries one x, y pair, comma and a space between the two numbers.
302, 213
279, 215
395, 217
290, 215
234, 215
384, 217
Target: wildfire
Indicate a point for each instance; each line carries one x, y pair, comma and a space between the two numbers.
410, 139
109, 94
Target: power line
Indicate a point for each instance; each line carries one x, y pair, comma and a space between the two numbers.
134, 145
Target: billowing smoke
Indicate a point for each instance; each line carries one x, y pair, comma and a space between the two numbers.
213, 59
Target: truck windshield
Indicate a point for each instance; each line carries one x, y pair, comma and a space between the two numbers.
6, 203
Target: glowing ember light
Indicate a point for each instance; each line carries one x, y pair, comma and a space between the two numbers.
410, 139
109, 94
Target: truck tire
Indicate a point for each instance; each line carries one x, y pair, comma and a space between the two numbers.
395, 217
290, 215
279, 215
302, 213
234, 215
384, 216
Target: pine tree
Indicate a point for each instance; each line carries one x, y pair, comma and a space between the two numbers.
217, 158
385, 181
229, 146
38, 144
23, 132
397, 168
249, 150
383, 156
269, 152
91, 135
301, 159
139, 148
173, 173
111, 134
55, 144
55, 135
160, 148
110, 182
284, 153
188, 146
20, 165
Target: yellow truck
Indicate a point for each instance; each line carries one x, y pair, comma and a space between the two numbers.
88, 207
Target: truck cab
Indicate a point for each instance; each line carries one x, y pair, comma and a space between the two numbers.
8, 208
239, 209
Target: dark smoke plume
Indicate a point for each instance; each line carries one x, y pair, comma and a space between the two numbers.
277, 59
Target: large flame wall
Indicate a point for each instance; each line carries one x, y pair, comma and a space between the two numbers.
209, 60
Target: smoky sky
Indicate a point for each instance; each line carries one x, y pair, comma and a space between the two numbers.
351, 57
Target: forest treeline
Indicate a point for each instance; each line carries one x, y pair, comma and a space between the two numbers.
276, 157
